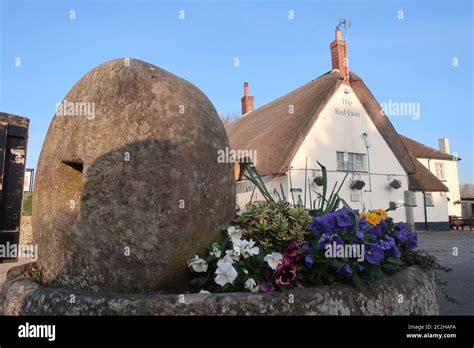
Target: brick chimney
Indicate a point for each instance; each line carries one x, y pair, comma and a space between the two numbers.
444, 145
339, 56
247, 100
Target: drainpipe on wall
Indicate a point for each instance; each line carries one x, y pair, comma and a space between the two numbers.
424, 207
424, 199
367, 146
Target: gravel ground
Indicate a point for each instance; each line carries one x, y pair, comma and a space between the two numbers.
460, 284
26, 231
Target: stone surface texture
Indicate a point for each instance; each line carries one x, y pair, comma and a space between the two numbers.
22, 296
128, 187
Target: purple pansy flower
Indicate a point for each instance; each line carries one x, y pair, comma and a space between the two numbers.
308, 260
395, 252
363, 224
373, 253
383, 225
390, 240
317, 226
327, 239
329, 221
343, 219
384, 244
376, 231
360, 234
412, 240
402, 234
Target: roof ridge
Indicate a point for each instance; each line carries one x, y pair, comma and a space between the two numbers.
441, 154
291, 92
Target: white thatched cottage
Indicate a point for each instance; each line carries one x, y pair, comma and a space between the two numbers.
335, 119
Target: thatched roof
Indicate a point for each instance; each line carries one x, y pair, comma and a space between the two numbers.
276, 134
420, 150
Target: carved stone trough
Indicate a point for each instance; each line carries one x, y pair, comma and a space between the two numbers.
409, 292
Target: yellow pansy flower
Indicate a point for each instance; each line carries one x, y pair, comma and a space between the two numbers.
371, 217
383, 214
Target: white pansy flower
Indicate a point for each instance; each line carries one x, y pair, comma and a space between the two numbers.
197, 264
273, 260
204, 292
225, 272
251, 285
233, 253
234, 232
248, 248
216, 250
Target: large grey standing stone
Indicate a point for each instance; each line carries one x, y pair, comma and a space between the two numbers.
130, 190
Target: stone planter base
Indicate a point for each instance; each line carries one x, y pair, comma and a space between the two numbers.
409, 292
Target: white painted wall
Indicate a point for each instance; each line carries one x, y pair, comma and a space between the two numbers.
245, 188
436, 213
333, 132
451, 181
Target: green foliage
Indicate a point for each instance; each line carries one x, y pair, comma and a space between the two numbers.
256, 179
330, 203
274, 224
27, 204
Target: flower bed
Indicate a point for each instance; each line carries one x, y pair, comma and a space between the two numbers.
341, 246
275, 246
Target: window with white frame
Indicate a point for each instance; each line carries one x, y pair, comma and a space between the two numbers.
354, 162
439, 167
429, 198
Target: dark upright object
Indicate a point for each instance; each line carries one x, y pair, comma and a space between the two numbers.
13, 141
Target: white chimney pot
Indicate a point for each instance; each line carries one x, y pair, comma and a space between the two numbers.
444, 145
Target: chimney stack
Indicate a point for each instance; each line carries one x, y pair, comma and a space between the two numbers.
444, 145
339, 56
247, 100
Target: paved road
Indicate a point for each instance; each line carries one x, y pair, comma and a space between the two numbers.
461, 280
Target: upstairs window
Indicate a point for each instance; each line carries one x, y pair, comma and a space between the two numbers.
353, 162
429, 199
439, 167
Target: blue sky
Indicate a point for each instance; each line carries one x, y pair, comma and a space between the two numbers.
403, 60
